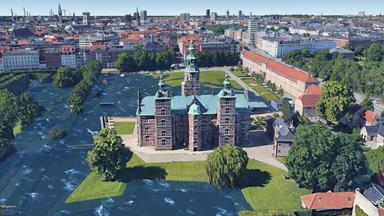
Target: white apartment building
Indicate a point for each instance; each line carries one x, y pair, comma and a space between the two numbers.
69, 60
280, 47
252, 31
21, 60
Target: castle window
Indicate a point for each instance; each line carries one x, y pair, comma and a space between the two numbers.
162, 112
226, 131
146, 138
163, 142
162, 122
146, 130
227, 120
226, 140
163, 133
227, 110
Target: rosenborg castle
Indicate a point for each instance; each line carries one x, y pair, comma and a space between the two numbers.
193, 121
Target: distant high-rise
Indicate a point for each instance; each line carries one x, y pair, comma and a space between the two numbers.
208, 13
185, 17
240, 14
143, 16
213, 16
128, 18
252, 30
227, 14
86, 17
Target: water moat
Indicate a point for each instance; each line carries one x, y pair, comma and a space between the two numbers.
41, 175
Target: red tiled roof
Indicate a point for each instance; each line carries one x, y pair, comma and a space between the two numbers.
313, 90
328, 200
370, 116
309, 100
279, 67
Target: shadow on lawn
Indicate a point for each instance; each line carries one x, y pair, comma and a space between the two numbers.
142, 172
255, 178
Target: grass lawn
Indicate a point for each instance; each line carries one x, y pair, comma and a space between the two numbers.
272, 191
124, 128
282, 159
93, 187
263, 91
266, 185
17, 129
211, 79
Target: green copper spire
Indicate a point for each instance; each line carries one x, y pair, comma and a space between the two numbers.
227, 91
227, 82
162, 84
163, 89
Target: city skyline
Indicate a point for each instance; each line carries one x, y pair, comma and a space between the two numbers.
197, 7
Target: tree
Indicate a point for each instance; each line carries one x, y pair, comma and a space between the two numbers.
8, 117
322, 161
226, 165
382, 115
28, 109
349, 162
58, 133
287, 111
126, 63
109, 156
375, 159
335, 101
374, 53
367, 103
66, 77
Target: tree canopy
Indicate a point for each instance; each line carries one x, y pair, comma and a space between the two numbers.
322, 161
109, 156
8, 116
28, 109
368, 103
146, 61
375, 159
364, 73
217, 59
335, 101
66, 77
226, 165
80, 92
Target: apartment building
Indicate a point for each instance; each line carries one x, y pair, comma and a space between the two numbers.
280, 47
21, 60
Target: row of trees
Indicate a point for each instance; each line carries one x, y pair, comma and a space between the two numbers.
364, 73
23, 109
80, 92
217, 59
322, 161
145, 61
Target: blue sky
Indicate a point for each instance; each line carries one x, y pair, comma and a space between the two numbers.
175, 7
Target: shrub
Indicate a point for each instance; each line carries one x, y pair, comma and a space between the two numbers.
58, 133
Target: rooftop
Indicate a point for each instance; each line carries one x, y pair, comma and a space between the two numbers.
328, 200
279, 67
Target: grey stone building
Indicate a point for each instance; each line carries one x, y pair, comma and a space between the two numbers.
192, 121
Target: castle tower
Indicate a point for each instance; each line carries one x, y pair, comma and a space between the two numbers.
163, 117
226, 115
191, 83
194, 119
